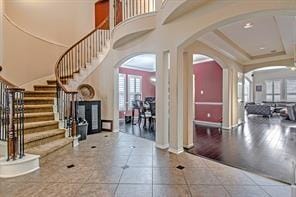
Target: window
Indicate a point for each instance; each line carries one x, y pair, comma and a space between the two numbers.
291, 90
121, 92
134, 88
247, 91
273, 90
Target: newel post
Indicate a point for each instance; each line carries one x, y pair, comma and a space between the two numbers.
73, 113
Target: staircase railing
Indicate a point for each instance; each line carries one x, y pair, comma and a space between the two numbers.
71, 62
12, 118
125, 9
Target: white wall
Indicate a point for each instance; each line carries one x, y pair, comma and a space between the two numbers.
36, 33
260, 77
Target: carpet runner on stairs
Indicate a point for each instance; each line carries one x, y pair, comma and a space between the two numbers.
42, 133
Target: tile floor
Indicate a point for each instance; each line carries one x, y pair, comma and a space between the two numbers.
128, 166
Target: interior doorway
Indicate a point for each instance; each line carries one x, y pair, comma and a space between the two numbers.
137, 96
102, 13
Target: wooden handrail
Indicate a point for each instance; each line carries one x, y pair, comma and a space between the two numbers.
59, 82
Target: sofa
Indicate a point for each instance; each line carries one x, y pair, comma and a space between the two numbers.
291, 110
263, 110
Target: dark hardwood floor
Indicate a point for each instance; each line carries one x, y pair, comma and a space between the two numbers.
262, 145
137, 130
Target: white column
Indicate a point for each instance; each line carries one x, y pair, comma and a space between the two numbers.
187, 100
112, 16
227, 120
162, 99
115, 101
176, 108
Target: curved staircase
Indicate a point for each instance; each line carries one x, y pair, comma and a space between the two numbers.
41, 127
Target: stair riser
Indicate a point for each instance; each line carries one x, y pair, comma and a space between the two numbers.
43, 128
48, 154
39, 102
44, 141
54, 82
45, 88
37, 94
40, 118
37, 110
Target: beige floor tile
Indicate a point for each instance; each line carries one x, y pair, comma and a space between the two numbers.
191, 161
142, 151
134, 190
168, 176
60, 190
137, 175
200, 176
171, 191
20, 189
97, 190
165, 160
140, 161
246, 191
208, 191
105, 175
259, 180
277, 191
231, 176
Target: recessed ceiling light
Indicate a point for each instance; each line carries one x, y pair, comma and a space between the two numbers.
248, 25
262, 48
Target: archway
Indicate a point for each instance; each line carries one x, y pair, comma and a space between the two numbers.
136, 92
235, 96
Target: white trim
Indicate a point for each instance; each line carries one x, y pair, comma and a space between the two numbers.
27, 164
208, 103
232, 127
160, 146
175, 151
207, 123
188, 146
115, 131
138, 68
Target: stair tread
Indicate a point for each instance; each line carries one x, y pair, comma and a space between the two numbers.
38, 114
50, 147
38, 98
45, 86
39, 124
39, 91
37, 106
41, 135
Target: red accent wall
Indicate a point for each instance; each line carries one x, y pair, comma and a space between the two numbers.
147, 88
208, 78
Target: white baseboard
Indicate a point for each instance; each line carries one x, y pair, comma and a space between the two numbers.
161, 146
27, 164
176, 151
3, 149
206, 123
188, 146
115, 130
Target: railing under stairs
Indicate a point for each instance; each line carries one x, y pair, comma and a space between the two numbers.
72, 62
12, 119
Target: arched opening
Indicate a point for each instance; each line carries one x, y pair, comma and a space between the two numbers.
256, 109
137, 96
208, 93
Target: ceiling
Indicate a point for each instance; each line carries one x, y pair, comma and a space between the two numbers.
197, 58
144, 62
268, 38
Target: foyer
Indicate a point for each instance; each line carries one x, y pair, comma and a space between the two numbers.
122, 165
